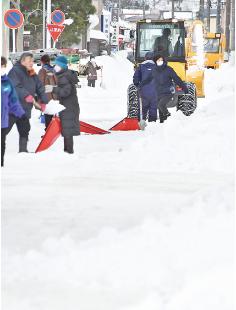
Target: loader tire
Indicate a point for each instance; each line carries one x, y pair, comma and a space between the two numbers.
132, 101
188, 103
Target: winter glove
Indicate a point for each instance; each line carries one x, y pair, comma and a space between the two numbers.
48, 88
29, 99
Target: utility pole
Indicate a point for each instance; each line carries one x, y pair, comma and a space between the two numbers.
48, 45
209, 15
44, 22
233, 26
5, 31
19, 36
144, 15
118, 10
227, 25
201, 10
173, 8
218, 16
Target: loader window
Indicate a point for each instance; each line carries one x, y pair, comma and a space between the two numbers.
211, 45
166, 39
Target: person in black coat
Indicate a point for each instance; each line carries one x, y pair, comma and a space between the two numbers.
91, 71
66, 93
27, 86
165, 77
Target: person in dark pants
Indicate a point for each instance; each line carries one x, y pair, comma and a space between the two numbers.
143, 79
10, 105
66, 93
28, 86
91, 72
165, 77
47, 77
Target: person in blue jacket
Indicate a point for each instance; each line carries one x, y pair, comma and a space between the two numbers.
9, 105
143, 79
165, 79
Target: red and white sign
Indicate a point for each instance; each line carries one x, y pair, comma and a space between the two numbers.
13, 18
57, 17
55, 31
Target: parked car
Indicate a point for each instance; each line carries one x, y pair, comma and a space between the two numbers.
53, 53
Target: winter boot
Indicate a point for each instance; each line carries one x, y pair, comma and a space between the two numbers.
23, 145
68, 145
161, 117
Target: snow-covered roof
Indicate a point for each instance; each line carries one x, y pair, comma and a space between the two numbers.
97, 34
126, 25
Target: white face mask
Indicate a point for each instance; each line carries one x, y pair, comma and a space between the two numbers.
57, 68
3, 71
160, 63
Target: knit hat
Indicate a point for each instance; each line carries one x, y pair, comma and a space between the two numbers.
149, 56
62, 62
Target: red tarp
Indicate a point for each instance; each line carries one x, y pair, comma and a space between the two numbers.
126, 124
87, 128
52, 133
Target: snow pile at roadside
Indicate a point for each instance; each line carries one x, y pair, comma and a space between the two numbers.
131, 221
180, 262
110, 100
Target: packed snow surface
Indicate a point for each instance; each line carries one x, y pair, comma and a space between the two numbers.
133, 220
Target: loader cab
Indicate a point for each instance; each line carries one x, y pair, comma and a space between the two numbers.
165, 37
214, 45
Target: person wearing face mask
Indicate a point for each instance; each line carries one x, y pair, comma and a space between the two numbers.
143, 79
91, 71
28, 86
165, 77
66, 93
10, 105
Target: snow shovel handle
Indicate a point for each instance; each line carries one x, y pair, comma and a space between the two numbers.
140, 104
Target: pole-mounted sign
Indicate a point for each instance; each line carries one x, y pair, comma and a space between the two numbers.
57, 17
13, 19
55, 31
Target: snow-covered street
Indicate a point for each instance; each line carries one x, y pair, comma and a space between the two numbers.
133, 220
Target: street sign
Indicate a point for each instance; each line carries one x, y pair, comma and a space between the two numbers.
115, 15
114, 38
57, 17
105, 24
13, 18
55, 31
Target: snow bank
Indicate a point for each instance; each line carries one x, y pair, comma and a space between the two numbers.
131, 221
108, 101
179, 262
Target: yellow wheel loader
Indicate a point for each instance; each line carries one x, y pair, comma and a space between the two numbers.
181, 43
214, 48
